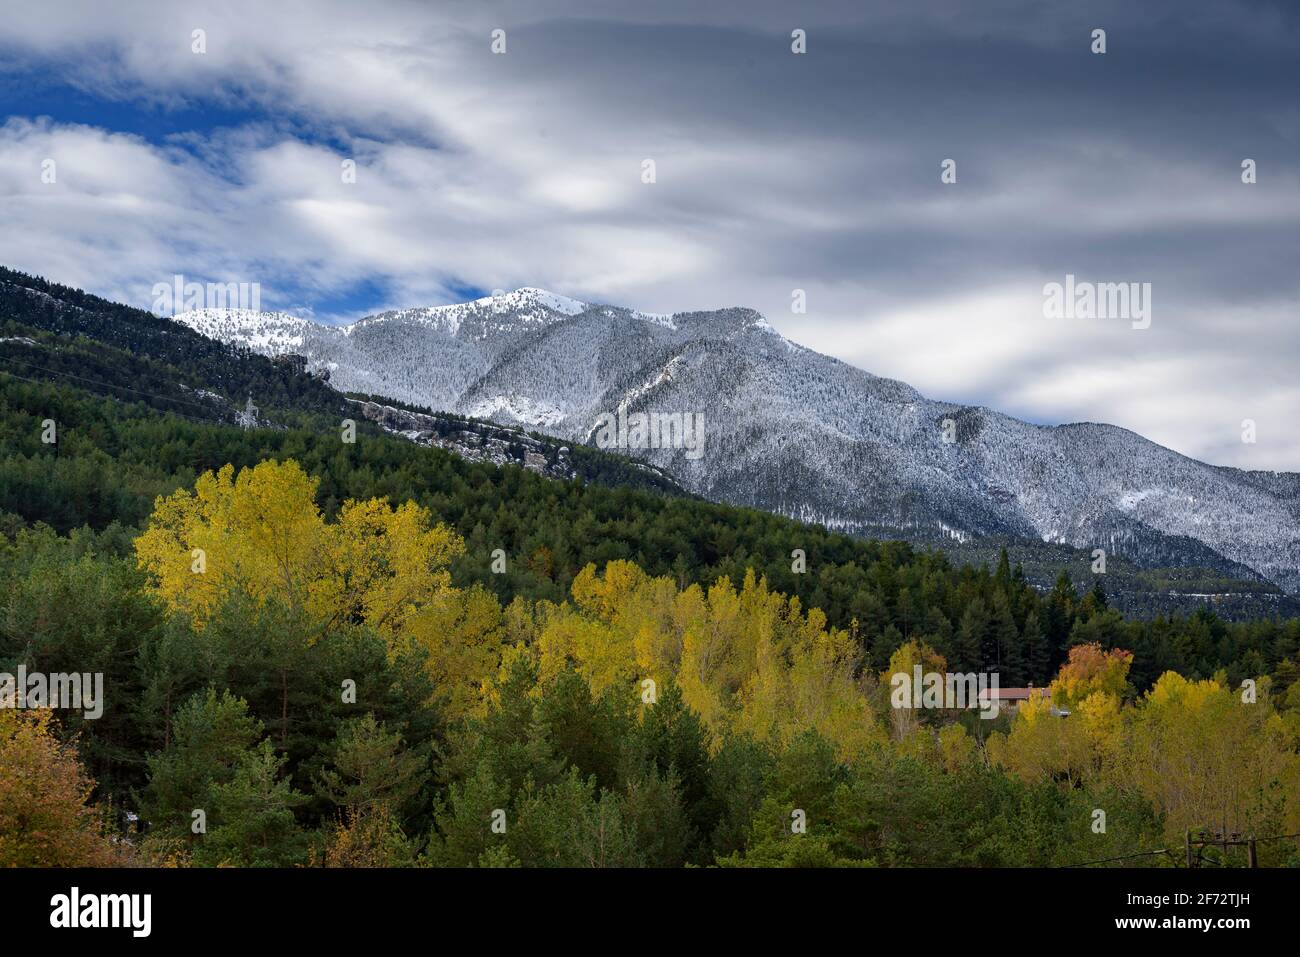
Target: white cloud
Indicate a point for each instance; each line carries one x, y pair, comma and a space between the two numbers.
497, 172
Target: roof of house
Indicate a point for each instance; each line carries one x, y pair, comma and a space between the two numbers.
1015, 694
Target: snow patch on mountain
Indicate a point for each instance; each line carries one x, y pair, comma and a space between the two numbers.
481, 318
517, 408
1131, 500
552, 301
662, 376
271, 333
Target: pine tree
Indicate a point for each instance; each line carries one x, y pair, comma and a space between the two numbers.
252, 820
371, 767
1003, 576
1010, 663
1061, 605
211, 734
970, 641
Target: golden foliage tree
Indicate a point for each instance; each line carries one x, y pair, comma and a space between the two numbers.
260, 532
1207, 758
903, 721
464, 634
749, 660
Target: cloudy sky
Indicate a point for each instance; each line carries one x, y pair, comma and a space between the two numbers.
774, 172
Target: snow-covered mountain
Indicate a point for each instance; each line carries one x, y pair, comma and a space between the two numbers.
795, 432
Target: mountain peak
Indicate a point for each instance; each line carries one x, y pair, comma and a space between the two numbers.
528, 304
551, 300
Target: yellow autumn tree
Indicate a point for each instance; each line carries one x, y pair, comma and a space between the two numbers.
950, 748
1101, 722
811, 684
702, 650
1042, 746
591, 646
957, 749
596, 636
732, 641
906, 657
261, 533
605, 595
748, 660
1207, 758
463, 632
1089, 669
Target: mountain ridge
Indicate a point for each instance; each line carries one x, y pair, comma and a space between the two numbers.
802, 434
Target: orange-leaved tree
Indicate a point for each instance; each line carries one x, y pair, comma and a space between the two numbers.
45, 820
1088, 670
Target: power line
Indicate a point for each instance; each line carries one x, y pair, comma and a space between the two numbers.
1204, 843
1122, 857
1277, 837
103, 385
181, 415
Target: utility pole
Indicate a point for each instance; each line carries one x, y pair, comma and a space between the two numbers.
1221, 839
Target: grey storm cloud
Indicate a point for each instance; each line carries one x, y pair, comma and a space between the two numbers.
775, 172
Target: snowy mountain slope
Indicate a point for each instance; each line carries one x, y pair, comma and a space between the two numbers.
792, 431
428, 356
268, 332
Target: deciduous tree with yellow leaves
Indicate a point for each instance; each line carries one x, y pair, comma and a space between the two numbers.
261, 532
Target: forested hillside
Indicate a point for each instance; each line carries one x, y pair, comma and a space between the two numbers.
286, 687
161, 349
57, 334
113, 459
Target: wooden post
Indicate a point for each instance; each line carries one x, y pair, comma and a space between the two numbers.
1188, 837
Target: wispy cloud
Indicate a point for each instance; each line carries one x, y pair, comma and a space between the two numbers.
774, 172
